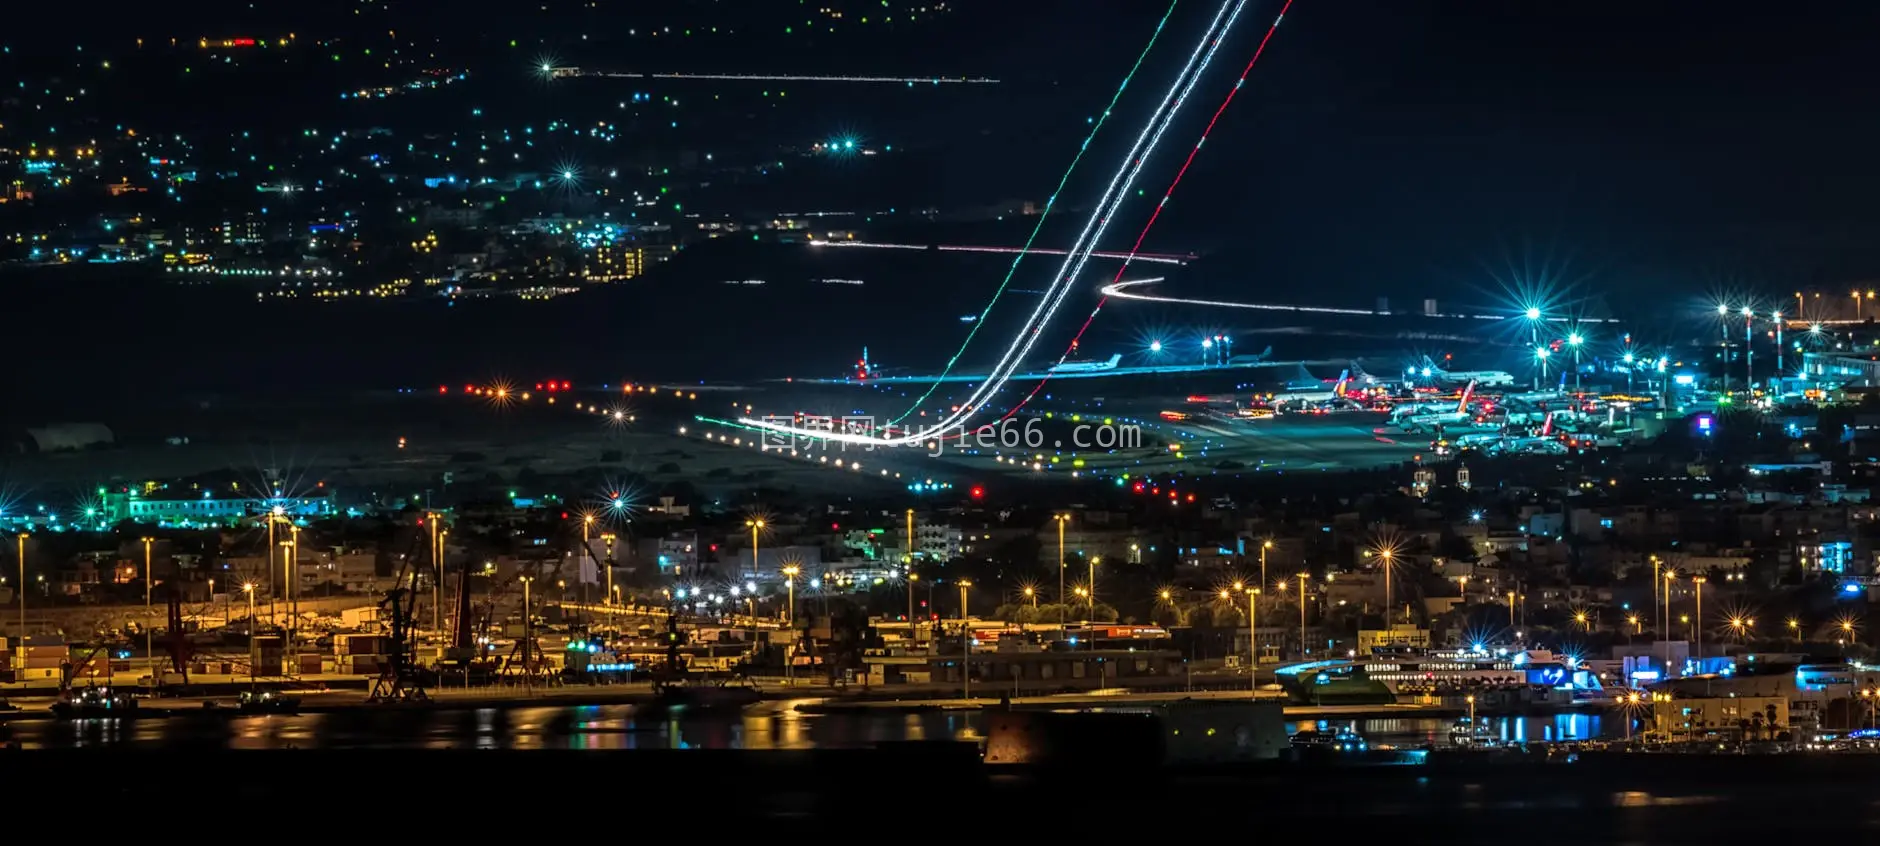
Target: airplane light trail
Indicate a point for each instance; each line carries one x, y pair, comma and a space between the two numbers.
1112, 199
566, 73
1049, 205
1121, 290
1099, 221
1153, 258
1163, 203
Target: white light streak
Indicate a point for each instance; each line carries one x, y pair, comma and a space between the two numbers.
1121, 290
1078, 254
1153, 258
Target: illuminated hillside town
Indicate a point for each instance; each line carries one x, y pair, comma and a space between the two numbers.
795, 396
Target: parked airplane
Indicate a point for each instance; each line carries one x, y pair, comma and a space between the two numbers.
1485, 378
1309, 395
1087, 366
1460, 417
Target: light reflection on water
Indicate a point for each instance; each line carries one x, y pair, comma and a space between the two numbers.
618, 727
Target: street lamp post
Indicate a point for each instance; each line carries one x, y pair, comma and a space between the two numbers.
150, 653
249, 588
1061, 520
913, 631
1264, 546
437, 579
908, 557
21, 652
789, 647
587, 555
1253, 635
1749, 351
607, 561
1670, 576
755, 526
1389, 601
1697, 628
1777, 318
1094, 560
528, 634
1534, 338
1574, 340
966, 643
290, 563
273, 591
1303, 651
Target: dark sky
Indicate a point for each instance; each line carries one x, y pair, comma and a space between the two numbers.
1654, 143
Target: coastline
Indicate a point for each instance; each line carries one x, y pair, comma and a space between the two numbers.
805, 699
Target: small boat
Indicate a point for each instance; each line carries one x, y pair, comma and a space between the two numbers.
1474, 734
1342, 740
704, 695
92, 702
269, 702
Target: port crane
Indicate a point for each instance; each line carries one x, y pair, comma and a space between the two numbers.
401, 680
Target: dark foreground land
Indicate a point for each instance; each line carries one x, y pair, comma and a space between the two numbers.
942, 790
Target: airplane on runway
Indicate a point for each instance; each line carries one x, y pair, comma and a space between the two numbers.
1306, 395
1087, 366
1484, 378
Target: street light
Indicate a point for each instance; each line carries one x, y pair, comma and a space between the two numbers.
1253, 634
966, 643
1697, 630
1534, 336
1061, 520
249, 588
150, 654
1574, 340
1302, 614
755, 525
1389, 557
913, 631
789, 576
21, 652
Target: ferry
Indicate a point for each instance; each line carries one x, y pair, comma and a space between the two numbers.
1393, 673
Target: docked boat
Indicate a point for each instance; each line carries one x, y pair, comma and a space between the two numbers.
695, 695
269, 702
1528, 675
90, 702
1474, 733
1341, 740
